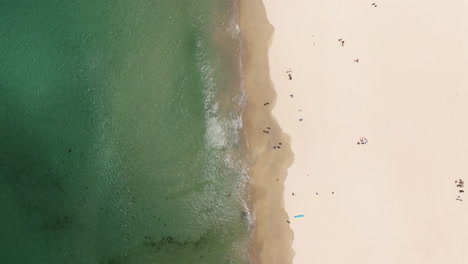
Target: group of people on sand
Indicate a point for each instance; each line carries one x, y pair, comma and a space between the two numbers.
289, 74
342, 42
362, 141
460, 184
292, 95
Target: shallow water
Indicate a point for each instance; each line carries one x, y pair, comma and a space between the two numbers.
119, 133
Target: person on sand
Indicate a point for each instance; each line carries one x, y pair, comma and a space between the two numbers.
362, 140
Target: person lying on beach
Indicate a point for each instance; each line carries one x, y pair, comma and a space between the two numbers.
362, 140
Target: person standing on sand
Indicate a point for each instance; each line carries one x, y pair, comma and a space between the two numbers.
342, 42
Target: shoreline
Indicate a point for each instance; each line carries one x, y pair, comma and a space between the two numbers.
272, 236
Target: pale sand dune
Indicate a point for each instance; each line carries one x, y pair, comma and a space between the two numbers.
395, 197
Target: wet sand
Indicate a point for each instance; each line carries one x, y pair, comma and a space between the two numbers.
268, 144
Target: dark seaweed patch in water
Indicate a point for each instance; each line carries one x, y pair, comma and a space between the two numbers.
34, 185
169, 243
156, 249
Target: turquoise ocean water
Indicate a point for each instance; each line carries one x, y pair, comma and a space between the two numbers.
120, 133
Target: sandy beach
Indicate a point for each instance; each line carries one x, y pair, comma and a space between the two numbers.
394, 73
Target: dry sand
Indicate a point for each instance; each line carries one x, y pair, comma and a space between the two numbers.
392, 200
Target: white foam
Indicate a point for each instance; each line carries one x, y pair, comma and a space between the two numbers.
215, 133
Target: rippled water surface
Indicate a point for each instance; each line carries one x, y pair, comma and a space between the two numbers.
119, 133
